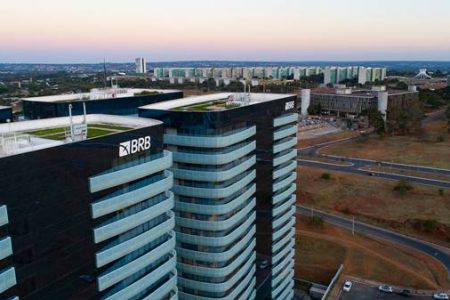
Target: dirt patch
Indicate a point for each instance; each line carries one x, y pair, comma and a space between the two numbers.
320, 251
428, 149
423, 212
307, 142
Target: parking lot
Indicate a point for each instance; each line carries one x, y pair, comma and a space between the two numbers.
362, 291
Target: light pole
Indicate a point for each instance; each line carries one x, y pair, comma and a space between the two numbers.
353, 226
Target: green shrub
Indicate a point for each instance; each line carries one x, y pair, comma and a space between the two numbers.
428, 225
326, 176
403, 187
316, 221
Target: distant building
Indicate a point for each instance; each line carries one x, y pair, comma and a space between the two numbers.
422, 75
347, 101
111, 101
141, 65
6, 114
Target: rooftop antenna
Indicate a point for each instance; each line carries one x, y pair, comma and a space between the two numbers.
71, 122
104, 73
84, 113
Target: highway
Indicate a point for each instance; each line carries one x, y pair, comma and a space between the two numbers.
357, 165
356, 168
441, 253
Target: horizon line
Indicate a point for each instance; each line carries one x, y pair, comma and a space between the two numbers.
228, 61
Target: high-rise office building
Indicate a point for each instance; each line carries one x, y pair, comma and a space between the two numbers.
6, 114
235, 182
141, 65
86, 210
111, 101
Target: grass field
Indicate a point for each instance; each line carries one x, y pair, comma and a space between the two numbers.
321, 250
109, 126
423, 211
429, 149
307, 142
94, 130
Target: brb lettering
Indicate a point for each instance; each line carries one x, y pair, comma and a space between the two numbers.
134, 146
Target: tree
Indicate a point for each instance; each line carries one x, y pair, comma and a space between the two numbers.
315, 109
405, 119
376, 121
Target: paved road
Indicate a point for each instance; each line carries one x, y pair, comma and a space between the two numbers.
358, 164
440, 253
356, 168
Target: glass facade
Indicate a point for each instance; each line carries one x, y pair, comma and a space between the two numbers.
85, 223
234, 183
6, 114
115, 106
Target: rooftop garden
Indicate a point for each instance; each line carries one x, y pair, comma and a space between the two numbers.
147, 93
216, 105
93, 130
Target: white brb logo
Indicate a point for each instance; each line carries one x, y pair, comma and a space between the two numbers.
289, 105
134, 146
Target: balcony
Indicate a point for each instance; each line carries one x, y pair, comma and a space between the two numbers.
215, 176
229, 239
115, 252
279, 160
115, 276
114, 203
215, 193
283, 195
285, 119
3, 215
7, 279
220, 287
291, 167
221, 256
280, 184
285, 144
116, 178
214, 159
5, 247
219, 141
285, 132
219, 209
143, 283
217, 225
120, 226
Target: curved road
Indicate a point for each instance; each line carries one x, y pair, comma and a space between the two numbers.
438, 252
356, 168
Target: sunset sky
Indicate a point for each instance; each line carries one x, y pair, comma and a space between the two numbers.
58, 31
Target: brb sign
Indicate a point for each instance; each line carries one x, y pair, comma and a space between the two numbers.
134, 146
289, 105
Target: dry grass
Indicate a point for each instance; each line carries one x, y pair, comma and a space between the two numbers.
373, 200
320, 251
303, 143
425, 150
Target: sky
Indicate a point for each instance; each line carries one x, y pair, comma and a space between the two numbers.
86, 31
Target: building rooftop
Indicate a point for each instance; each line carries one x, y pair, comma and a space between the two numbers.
215, 102
26, 136
358, 92
99, 94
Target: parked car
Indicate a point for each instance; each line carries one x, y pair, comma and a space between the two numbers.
386, 288
440, 296
347, 286
405, 293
